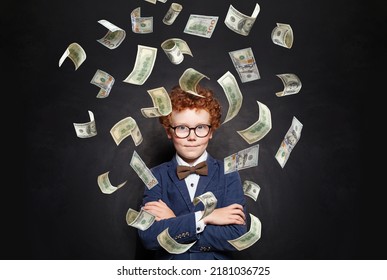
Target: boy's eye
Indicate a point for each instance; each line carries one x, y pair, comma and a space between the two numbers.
181, 127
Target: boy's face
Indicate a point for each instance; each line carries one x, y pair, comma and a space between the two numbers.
192, 147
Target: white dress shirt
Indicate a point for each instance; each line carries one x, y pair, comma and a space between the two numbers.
192, 181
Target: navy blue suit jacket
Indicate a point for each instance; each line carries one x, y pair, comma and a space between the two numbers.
210, 243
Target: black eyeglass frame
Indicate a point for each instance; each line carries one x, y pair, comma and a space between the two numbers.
189, 130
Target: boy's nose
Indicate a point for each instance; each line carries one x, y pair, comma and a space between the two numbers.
191, 135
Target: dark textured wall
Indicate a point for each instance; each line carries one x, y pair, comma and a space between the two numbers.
309, 209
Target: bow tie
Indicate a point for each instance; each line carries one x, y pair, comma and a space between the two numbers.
200, 168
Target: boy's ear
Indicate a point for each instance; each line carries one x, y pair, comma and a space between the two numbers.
169, 132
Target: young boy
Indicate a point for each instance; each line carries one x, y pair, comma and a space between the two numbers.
190, 126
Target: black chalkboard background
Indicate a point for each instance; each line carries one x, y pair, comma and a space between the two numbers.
310, 209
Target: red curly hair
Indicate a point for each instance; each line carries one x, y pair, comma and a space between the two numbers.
183, 100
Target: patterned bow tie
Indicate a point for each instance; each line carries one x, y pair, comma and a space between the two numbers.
200, 168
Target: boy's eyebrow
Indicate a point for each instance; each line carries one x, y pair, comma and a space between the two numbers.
188, 125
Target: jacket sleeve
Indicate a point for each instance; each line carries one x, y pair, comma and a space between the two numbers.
181, 228
214, 237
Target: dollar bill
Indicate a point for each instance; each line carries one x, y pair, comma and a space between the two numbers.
251, 189
241, 160
161, 102
105, 185
241, 23
136, 135
141, 220
282, 35
143, 66
143, 171
174, 48
104, 81
249, 238
141, 25
113, 37
87, 129
290, 140
172, 13
190, 79
124, 128
233, 94
209, 201
76, 53
292, 84
245, 64
151, 112
248, 157
260, 128
201, 25
230, 163
170, 245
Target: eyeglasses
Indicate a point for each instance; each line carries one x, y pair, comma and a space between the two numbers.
182, 131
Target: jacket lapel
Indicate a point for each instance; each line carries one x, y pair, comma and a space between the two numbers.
180, 184
204, 181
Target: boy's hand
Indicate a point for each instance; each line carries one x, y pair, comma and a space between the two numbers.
232, 214
159, 209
